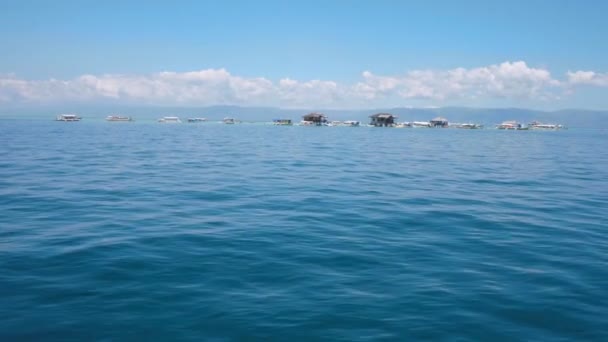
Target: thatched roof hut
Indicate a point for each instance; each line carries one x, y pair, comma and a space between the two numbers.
439, 122
382, 119
317, 118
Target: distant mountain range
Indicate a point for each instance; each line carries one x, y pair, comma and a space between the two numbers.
486, 116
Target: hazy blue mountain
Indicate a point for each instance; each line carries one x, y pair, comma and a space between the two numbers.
486, 116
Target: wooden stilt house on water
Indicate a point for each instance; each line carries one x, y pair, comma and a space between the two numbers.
439, 122
383, 120
314, 119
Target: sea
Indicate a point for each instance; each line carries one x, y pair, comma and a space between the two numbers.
251, 232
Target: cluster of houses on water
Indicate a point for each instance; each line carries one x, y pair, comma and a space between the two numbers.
320, 119
376, 120
390, 120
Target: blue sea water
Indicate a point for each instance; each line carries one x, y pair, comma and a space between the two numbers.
143, 231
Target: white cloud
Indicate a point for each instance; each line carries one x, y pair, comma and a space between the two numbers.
588, 78
310, 93
212, 86
508, 80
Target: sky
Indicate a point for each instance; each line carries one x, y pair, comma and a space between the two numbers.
294, 54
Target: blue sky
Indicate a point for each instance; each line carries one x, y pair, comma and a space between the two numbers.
247, 48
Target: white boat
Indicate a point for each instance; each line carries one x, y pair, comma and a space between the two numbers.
468, 126
307, 123
197, 120
169, 119
118, 118
403, 125
229, 121
67, 117
511, 125
538, 125
421, 124
347, 123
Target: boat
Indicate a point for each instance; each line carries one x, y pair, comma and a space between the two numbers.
118, 118
511, 125
541, 126
282, 122
347, 123
169, 119
403, 125
67, 117
421, 124
229, 121
191, 120
468, 126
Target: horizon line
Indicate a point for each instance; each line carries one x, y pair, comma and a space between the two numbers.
309, 109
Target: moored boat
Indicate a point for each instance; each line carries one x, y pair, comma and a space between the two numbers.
542, 126
468, 126
421, 124
511, 125
118, 118
169, 119
193, 120
67, 117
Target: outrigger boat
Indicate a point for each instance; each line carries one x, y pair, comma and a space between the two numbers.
191, 120
68, 117
170, 119
468, 126
347, 123
538, 125
511, 125
118, 118
421, 124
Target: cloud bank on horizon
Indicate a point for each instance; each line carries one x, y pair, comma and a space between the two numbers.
508, 80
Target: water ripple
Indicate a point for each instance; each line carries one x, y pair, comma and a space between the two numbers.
145, 231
